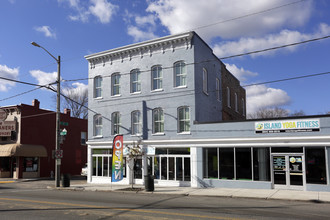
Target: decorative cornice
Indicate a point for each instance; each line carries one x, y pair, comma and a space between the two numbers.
142, 48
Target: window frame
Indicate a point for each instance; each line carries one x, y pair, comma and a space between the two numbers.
159, 78
137, 123
97, 87
159, 112
115, 123
97, 125
180, 76
205, 81
137, 81
217, 88
236, 102
83, 137
184, 120
114, 85
228, 97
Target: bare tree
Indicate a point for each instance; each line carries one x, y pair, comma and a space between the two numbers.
76, 99
269, 113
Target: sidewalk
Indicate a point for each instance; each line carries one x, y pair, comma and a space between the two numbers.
293, 195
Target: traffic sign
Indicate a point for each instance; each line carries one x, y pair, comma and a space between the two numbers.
58, 154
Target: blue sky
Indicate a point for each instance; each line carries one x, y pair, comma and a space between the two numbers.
75, 28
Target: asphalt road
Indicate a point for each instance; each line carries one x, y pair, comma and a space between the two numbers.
33, 200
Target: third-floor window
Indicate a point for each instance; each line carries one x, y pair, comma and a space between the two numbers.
115, 84
180, 74
156, 78
135, 81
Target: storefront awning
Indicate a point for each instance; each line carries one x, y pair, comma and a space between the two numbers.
22, 150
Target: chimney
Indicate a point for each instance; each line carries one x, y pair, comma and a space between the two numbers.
35, 103
67, 111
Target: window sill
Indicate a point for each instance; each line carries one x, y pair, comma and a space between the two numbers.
136, 135
135, 93
98, 98
181, 87
98, 137
184, 133
114, 96
206, 93
157, 90
158, 134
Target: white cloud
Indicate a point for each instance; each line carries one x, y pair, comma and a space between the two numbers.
9, 73
240, 73
273, 40
76, 89
140, 27
44, 78
182, 15
47, 31
261, 96
103, 10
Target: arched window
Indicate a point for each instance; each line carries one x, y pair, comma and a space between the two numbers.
183, 119
158, 121
205, 89
228, 97
97, 125
136, 123
115, 84
115, 121
97, 87
135, 81
156, 78
180, 74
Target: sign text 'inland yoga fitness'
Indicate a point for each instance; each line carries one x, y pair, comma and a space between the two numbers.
117, 159
303, 125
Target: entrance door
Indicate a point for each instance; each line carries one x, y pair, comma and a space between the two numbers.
288, 171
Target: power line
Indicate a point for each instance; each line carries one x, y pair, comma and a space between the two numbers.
232, 56
248, 15
278, 47
26, 83
23, 93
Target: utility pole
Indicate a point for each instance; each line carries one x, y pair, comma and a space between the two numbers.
58, 113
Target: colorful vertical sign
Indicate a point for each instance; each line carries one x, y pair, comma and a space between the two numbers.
117, 159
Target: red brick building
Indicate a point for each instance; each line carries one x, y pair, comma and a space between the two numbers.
233, 97
27, 142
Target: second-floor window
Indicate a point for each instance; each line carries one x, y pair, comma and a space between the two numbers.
217, 88
115, 84
97, 87
183, 119
156, 78
136, 123
228, 97
158, 121
115, 119
98, 125
83, 138
236, 102
180, 74
205, 89
135, 81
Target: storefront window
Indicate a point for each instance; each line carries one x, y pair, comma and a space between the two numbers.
138, 169
261, 167
187, 169
226, 163
179, 168
243, 164
30, 164
315, 166
156, 167
164, 168
210, 165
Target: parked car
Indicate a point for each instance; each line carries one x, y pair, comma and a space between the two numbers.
84, 170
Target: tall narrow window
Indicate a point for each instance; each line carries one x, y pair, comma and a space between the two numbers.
183, 119
243, 107
97, 87
228, 97
157, 77
115, 84
97, 125
236, 102
135, 81
158, 120
217, 88
205, 89
136, 123
115, 118
180, 74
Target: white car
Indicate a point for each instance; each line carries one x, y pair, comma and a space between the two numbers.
84, 170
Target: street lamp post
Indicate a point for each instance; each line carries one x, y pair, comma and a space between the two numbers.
57, 143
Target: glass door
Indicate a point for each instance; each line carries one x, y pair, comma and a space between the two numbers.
288, 171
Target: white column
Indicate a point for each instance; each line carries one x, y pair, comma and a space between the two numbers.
89, 164
196, 164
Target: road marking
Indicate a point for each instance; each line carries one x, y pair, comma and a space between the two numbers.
7, 181
121, 209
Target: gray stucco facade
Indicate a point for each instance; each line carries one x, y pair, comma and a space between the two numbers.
191, 147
